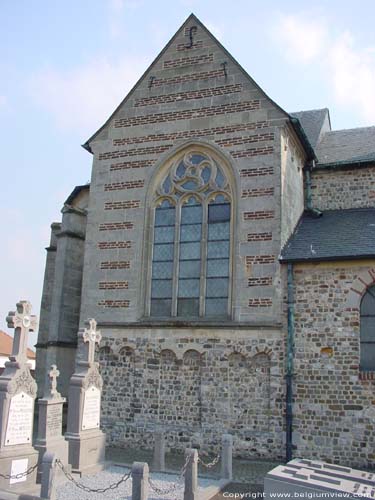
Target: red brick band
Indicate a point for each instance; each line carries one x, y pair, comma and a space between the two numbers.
111, 155
261, 302
256, 193
119, 186
187, 134
131, 164
186, 46
188, 114
189, 95
113, 285
115, 226
246, 153
263, 281
267, 236
115, 264
256, 172
112, 245
188, 61
120, 205
114, 304
258, 215
192, 77
260, 259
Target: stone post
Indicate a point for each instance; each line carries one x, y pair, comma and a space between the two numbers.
226, 456
158, 462
139, 481
191, 475
17, 396
86, 440
50, 436
48, 468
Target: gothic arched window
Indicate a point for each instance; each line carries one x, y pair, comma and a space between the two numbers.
367, 337
191, 240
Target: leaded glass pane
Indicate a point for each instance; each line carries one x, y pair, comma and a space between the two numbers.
220, 179
189, 251
218, 267
163, 251
218, 249
191, 214
188, 307
167, 185
216, 307
219, 199
368, 302
161, 289
219, 231
161, 307
190, 269
191, 232
188, 287
217, 213
367, 356
181, 169
164, 216
191, 185
196, 159
164, 234
162, 270
206, 173
217, 287
368, 329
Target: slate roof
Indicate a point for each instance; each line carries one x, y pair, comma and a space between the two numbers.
313, 121
337, 234
346, 146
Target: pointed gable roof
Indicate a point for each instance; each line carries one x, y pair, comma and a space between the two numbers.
315, 123
192, 18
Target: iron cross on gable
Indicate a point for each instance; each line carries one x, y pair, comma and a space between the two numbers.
92, 336
23, 322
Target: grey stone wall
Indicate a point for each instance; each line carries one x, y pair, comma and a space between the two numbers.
185, 96
194, 386
334, 405
343, 189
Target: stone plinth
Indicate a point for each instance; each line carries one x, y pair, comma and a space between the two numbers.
50, 438
17, 397
86, 440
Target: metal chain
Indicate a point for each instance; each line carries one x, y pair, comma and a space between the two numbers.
81, 486
208, 465
175, 486
20, 474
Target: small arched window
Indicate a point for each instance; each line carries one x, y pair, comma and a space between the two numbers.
367, 362
191, 240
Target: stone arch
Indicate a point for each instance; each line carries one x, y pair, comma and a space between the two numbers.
191, 357
359, 286
168, 357
159, 171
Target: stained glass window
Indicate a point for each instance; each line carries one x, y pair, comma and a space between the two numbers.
191, 240
367, 362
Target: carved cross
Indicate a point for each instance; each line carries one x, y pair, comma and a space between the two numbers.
53, 374
92, 336
23, 322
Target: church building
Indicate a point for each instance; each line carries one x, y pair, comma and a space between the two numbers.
226, 248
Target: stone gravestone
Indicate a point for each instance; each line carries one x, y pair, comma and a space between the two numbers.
86, 440
17, 397
50, 436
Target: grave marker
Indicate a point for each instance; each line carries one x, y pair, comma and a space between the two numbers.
50, 438
17, 397
86, 440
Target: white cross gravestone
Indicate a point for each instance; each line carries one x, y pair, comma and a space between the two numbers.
86, 440
50, 436
17, 396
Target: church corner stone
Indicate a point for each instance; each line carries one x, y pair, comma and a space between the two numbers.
17, 397
86, 440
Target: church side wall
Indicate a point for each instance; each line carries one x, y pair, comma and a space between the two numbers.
334, 408
292, 190
195, 386
342, 189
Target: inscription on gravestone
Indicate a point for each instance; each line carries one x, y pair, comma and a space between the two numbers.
91, 409
20, 420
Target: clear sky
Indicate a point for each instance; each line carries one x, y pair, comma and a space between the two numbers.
65, 65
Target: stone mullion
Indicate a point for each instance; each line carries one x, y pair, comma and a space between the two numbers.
203, 276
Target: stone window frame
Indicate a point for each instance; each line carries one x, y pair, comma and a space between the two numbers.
153, 197
364, 279
370, 291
